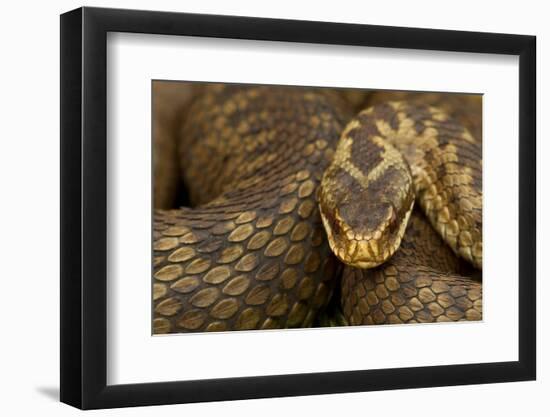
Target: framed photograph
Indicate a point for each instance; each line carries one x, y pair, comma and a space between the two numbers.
259, 208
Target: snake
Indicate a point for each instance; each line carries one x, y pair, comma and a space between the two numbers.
297, 203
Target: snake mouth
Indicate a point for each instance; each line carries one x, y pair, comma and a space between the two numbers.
366, 250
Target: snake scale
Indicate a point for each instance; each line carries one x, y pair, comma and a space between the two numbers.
292, 197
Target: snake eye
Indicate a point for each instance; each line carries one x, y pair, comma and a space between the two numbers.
392, 218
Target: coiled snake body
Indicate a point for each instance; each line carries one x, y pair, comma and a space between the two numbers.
253, 251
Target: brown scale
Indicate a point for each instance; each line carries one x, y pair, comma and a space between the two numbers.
252, 252
423, 282
466, 108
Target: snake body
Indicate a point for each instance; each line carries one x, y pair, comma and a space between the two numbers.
252, 252
423, 282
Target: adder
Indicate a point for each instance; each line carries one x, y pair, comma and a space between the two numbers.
294, 201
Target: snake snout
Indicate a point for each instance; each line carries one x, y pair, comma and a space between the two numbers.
378, 235
364, 232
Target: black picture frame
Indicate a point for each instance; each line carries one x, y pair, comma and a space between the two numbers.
84, 207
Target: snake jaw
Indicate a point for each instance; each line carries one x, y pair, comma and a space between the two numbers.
365, 250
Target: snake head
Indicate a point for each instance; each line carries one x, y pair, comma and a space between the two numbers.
364, 233
365, 199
